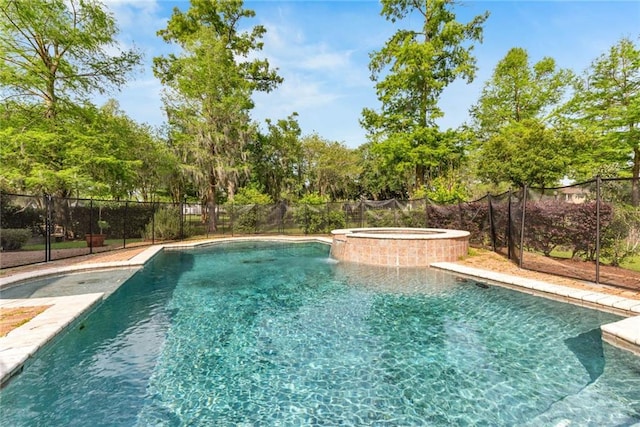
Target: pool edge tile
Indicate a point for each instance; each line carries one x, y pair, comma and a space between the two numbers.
22, 343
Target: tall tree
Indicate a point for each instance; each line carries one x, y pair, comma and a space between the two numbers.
411, 71
276, 158
519, 91
59, 51
331, 169
516, 119
86, 151
607, 107
209, 90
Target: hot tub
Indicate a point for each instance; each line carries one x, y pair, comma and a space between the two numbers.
399, 247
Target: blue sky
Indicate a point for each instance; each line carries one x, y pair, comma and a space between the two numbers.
321, 49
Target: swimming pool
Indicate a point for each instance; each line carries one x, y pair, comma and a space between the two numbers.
278, 334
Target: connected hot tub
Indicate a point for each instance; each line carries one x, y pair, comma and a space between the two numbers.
399, 247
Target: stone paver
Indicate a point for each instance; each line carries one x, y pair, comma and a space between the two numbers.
23, 342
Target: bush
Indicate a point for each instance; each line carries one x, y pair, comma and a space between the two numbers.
621, 239
245, 218
315, 219
166, 225
12, 239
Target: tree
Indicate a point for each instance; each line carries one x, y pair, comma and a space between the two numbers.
520, 139
209, 91
276, 159
86, 151
606, 106
411, 71
330, 168
518, 91
523, 152
57, 51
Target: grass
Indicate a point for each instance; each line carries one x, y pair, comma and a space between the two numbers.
630, 263
74, 244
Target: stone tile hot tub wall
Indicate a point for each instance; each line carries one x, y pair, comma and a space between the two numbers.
399, 247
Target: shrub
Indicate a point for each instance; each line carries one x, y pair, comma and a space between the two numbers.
313, 217
621, 239
166, 225
245, 218
12, 239
381, 218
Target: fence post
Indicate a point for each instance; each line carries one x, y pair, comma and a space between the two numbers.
426, 212
182, 203
232, 214
306, 219
283, 210
91, 225
524, 210
509, 237
362, 212
154, 208
598, 202
47, 227
124, 225
326, 216
492, 227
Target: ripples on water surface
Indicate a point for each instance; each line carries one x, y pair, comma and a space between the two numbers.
277, 334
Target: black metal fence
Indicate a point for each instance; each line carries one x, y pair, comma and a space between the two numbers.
589, 231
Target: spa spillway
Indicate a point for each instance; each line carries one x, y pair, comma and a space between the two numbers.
399, 247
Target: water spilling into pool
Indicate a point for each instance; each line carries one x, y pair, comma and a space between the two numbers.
274, 334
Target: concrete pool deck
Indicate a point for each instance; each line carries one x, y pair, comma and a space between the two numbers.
19, 345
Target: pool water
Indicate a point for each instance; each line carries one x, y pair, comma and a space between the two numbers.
272, 334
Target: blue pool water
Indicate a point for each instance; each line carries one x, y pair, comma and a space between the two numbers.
265, 334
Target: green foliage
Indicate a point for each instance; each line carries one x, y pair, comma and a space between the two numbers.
517, 144
330, 168
518, 91
59, 51
12, 239
607, 110
166, 225
247, 209
411, 71
524, 152
313, 199
313, 215
276, 159
621, 238
251, 196
209, 92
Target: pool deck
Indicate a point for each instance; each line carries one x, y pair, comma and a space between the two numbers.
19, 345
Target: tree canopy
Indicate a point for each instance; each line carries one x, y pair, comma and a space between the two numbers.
59, 51
411, 71
515, 118
209, 86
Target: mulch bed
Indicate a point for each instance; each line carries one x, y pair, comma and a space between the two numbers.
583, 270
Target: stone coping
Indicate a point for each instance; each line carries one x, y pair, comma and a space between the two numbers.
22, 343
399, 233
623, 333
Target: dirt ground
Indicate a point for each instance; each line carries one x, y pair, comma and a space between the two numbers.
11, 318
488, 260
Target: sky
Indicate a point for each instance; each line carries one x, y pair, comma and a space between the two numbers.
321, 49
